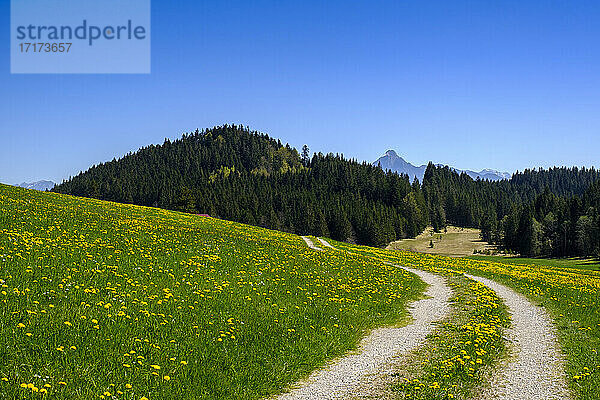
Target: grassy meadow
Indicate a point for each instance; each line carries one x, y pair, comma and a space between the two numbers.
576, 263
454, 242
571, 296
461, 352
104, 300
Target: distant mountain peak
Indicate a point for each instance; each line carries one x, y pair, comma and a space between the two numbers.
38, 185
392, 161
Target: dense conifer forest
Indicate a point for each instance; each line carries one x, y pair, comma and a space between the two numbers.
241, 175
233, 173
552, 212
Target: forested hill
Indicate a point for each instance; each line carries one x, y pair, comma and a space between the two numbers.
554, 212
458, 199
233, 173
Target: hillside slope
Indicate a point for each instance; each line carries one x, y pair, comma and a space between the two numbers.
244, 176
102, 298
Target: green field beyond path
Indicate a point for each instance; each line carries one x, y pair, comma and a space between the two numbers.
577, 263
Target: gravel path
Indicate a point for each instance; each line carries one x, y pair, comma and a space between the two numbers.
310, 244
326, 243
536, 369
376, 352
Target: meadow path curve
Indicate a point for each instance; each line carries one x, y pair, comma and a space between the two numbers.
378, 350
310, 243
535, 369
325, 243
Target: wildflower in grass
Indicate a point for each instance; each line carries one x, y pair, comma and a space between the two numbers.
166, 377
62, 383
21, 325
157, 367
128, 386
67, 323
73, 348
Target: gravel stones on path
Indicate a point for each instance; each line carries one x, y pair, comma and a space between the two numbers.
535, 370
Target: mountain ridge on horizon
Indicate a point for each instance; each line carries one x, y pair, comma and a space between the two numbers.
390, 160
41, 185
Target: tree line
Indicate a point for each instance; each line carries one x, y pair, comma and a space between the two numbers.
539, 212
234, 173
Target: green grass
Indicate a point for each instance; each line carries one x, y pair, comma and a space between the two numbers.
571, 296
103, 300
577, 263
455, 242
459, 355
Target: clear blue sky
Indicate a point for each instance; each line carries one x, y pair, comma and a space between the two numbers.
508, 85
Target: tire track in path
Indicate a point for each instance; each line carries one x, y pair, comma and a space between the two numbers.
535, 370
325, 243
310, 243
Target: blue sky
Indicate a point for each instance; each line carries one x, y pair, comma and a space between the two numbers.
504, 85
